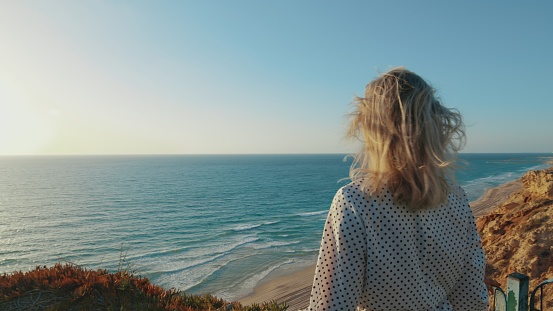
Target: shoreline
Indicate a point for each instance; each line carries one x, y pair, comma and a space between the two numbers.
492, 196
294, 287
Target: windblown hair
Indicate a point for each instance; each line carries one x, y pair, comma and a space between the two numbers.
410, 140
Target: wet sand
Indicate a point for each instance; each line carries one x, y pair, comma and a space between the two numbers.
295, 288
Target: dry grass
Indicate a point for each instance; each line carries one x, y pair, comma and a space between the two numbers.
70, 287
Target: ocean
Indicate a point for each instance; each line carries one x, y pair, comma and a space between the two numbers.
200, 223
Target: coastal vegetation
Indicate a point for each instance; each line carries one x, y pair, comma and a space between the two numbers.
71, 287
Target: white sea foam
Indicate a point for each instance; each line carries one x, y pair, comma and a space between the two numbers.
246, 227
248, 286
190, 261
252, 226
476, 188
312, 213
184, 280
270, 244
224, 247
302, 250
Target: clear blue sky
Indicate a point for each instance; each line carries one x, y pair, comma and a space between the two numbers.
125, 77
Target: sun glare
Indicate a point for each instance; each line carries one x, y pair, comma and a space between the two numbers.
24, 128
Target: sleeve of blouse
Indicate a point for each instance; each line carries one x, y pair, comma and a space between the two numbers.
339, 275
470, 292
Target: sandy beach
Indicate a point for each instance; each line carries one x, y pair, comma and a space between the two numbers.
485, 204
295, 288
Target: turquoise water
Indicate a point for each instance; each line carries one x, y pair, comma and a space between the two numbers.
209, 223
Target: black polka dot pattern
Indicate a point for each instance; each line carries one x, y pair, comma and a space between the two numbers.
379, 255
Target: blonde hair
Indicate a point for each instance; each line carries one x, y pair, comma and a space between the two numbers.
410, 139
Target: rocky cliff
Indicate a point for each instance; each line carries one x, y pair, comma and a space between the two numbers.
518, 234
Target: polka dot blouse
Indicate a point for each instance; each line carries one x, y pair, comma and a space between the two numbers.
379, 255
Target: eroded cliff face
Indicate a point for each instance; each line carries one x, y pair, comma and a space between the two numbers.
518, 235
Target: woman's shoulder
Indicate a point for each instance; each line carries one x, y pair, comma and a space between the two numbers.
456, 190
354, 187
354, 193
359, 191
349, 198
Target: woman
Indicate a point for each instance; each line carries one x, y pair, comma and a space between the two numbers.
401, 235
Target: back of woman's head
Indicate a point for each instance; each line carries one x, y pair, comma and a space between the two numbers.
410, 139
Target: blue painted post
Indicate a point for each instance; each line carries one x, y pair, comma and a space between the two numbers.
517, 292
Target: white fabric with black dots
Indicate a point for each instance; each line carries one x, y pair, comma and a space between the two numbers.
377, 255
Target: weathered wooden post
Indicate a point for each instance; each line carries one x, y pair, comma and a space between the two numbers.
500, 299
517, 292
